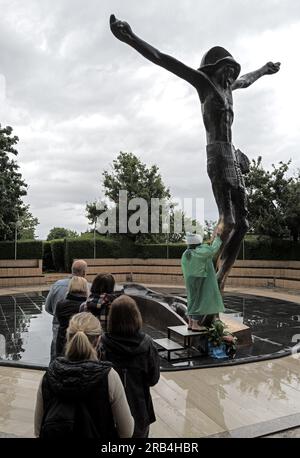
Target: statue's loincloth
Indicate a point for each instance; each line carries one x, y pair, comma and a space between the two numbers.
226, 165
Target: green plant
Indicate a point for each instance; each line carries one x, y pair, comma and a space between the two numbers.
217, 335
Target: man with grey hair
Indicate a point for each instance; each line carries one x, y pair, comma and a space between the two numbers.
58, 292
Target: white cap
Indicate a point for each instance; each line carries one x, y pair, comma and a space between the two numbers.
193, 239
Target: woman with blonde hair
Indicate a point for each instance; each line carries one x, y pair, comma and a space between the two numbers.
78, 291
80, 397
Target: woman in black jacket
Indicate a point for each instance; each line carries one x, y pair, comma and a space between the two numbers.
77, 294
80, 397
135, 358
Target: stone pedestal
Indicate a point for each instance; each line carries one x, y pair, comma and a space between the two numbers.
238, 329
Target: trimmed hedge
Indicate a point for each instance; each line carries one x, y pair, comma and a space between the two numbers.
63, 252
77, 249
26, 249
270, 249
47, 257
110, 248
172, 251
58, 254
263, 249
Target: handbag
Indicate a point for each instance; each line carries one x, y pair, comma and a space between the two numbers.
218, 352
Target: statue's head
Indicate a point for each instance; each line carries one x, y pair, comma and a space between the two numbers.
217, 59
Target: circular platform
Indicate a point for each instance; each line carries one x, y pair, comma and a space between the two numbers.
25, 331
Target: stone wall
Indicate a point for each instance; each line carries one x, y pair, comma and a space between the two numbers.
21, 272
280, 274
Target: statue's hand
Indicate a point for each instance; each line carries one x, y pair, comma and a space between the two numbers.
271, 68
220, 228
120, 29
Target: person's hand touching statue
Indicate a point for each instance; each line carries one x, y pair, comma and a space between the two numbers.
218, 232
120, 29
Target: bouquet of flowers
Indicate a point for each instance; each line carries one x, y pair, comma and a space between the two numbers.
221, 343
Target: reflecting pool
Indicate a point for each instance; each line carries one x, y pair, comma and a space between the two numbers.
25, 330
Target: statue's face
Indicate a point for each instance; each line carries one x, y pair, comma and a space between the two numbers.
230, 71
224, 75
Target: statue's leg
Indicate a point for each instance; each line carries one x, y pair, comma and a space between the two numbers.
232, 247
222, 194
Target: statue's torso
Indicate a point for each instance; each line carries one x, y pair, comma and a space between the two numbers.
217, 112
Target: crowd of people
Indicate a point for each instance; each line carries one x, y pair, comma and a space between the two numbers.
102, 363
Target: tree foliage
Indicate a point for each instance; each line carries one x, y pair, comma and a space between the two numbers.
273, 200
129, 173
27, 225
209, 228
292, 208
61, 233
12, 189
92, 212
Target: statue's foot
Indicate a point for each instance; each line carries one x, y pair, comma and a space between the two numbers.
196, 326
222, 285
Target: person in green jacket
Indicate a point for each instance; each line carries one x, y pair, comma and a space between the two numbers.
204, 300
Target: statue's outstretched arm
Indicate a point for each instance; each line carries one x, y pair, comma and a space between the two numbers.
123, 32
248, 79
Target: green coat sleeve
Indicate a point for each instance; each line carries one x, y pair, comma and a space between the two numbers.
216, 245
195, 262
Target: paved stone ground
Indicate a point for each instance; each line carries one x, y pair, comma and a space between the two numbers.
7, 436
288, 434
239, 398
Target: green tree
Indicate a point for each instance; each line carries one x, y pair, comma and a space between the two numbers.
131, 174
292, 208
27, 225
273, 200
128, 173
209, 228
61, 233
92, 212
12, 186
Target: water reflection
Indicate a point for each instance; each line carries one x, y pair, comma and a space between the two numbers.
18, 314
235, 396
274, 319
275, 324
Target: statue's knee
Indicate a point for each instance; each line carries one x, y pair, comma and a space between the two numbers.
228, 223
228, 226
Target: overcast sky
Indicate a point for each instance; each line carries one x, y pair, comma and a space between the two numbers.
76, 96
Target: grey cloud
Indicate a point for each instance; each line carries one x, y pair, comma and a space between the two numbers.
78, 96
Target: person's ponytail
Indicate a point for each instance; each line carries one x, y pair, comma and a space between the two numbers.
84, 329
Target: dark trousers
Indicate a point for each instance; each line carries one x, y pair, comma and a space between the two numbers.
140, 433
